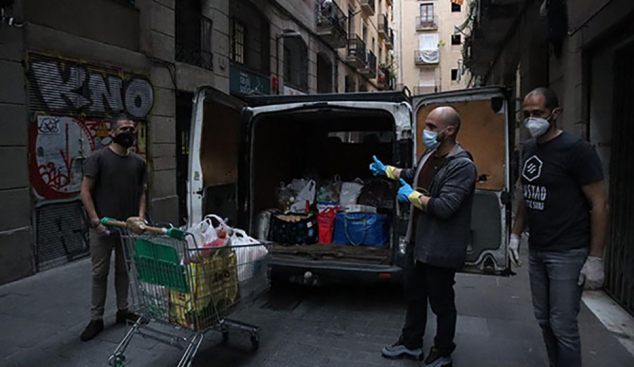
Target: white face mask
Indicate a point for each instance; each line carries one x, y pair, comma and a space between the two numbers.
536, 126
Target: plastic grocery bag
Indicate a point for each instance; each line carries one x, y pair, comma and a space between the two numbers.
285, 197
248, 252
349, 193
305, 196
262, 223
330, 190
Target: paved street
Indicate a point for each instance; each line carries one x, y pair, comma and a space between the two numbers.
338, 325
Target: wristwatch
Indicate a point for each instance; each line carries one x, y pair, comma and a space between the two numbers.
94, 223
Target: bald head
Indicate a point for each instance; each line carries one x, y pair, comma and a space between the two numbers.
442, 117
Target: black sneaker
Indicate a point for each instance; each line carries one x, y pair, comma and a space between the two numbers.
399, 350
437, 359
91, 331
123, 317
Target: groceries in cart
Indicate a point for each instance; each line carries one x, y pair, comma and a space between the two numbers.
190, 281
354, 213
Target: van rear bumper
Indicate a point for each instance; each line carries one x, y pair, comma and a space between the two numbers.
333, 271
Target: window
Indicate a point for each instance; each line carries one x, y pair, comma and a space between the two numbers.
456, 39
296, 63
454, 75
456, 8
237, 41
380, 55
193, 35
426, 12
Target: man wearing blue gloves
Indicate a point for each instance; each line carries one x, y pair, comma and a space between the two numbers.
438, 234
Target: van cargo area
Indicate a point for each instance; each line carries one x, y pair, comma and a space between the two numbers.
320, 144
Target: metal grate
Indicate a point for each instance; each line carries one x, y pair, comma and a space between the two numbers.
620, 249
61, 234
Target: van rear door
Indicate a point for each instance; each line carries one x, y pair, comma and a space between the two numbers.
486, 133
215, 135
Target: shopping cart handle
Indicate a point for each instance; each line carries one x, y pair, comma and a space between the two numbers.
109, 222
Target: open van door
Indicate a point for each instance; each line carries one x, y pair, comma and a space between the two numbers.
215, 135
486, 133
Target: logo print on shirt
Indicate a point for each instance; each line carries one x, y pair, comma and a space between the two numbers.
532, 168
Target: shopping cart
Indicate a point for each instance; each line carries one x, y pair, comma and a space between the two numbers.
187, 289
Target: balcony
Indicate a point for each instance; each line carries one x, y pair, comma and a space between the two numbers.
383, 29
385, 79
331, 24
356, 52
367, 6
193, 38
369, 69
389, 41
427, 23
426, 57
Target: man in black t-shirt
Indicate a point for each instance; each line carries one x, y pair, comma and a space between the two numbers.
565, 208
114, 187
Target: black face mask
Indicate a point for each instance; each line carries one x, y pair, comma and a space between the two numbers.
125, 139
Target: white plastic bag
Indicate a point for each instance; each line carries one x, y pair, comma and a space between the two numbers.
204, 233
349, 193
248, 253
306, 194
263, 223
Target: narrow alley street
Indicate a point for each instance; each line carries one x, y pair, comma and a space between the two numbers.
337, 325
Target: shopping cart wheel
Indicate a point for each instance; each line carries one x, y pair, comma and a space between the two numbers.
255, 342
225, 337
117, 360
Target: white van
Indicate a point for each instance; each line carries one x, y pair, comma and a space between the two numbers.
242, 150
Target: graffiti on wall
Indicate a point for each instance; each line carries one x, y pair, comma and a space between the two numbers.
71, 107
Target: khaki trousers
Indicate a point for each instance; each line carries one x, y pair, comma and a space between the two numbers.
101, 248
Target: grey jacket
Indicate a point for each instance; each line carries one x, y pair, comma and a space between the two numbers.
444, 231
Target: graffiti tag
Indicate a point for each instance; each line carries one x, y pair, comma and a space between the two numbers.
48, 125
63, 86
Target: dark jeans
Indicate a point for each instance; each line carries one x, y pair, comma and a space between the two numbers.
556, 298
422, 282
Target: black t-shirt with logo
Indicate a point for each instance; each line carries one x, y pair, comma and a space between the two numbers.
557, 211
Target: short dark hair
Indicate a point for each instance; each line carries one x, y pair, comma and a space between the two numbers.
551, 100
120, 117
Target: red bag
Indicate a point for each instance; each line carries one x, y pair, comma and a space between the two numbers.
326, 220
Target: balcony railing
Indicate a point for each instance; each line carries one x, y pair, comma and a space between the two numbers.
427, 23
356, 51
194, 39
331, 23
383, 26
368, 6
419, 59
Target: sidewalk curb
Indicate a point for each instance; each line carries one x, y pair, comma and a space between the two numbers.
612, 316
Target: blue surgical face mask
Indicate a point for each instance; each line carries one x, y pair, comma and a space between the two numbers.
430, 139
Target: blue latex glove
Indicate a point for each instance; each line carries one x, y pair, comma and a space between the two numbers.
404, 192
378, 168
